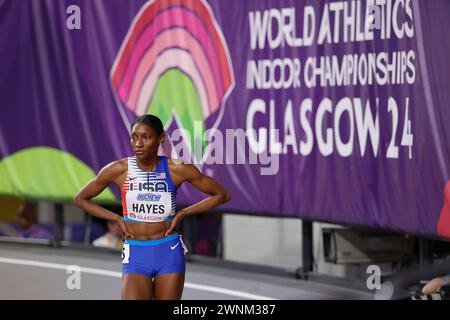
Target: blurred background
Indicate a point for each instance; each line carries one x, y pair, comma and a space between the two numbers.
361, 170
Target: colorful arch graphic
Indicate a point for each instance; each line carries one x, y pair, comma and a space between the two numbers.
178, 40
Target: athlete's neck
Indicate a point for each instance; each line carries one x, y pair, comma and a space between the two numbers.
149, 164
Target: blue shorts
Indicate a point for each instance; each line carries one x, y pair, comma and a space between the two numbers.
153, 257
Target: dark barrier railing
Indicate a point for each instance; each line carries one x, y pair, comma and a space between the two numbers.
190, 228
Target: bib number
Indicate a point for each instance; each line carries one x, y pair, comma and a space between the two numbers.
126, 253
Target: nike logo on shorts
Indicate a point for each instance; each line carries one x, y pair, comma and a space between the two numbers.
173, 247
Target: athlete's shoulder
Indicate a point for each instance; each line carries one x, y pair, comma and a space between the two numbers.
123, 163
115, 168
117, 164
175, 162
113, 172
178, 164
179, 167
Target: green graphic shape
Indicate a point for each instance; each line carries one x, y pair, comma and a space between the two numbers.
175, 93
44, 173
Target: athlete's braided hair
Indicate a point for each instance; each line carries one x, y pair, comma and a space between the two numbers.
151, 121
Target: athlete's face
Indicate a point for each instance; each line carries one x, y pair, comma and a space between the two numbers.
145, 141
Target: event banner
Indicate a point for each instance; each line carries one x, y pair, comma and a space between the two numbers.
323, 110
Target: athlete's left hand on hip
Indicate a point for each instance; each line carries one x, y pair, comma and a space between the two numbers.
174, 225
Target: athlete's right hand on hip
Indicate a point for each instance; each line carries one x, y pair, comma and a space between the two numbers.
123, 227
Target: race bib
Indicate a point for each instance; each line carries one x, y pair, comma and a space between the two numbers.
125, 253
149, 206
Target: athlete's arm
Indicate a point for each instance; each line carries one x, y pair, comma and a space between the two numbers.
217, 193
93, 188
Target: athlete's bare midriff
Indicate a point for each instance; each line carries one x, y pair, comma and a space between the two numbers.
141, 230
148, 230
